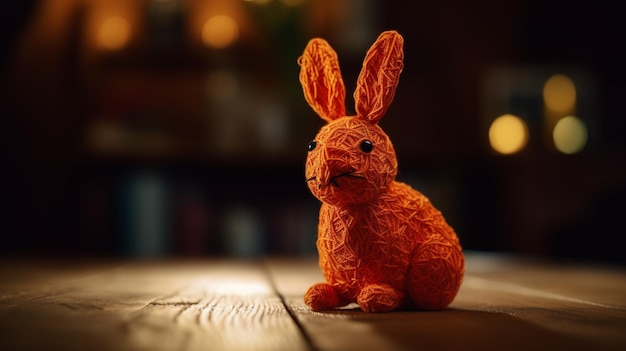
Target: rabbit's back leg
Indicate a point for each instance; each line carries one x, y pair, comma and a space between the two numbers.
435, 273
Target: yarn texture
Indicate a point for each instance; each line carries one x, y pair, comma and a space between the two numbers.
381, 243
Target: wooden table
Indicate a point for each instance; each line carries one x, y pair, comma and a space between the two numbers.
505, 303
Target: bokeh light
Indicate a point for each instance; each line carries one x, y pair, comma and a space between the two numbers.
508, 134
220, 32
570, 135
559, 94
114, 33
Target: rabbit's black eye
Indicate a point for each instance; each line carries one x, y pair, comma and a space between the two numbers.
311, 146
367, 146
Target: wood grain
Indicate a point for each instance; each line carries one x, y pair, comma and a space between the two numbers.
148, 306
503, 304
231, 306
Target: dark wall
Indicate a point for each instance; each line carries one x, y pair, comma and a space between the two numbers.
62, 196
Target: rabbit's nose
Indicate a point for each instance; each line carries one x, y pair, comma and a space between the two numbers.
331, 167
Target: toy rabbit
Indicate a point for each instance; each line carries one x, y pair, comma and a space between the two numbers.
381, 243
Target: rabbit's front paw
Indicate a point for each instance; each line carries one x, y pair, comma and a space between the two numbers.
322, 296
379, 298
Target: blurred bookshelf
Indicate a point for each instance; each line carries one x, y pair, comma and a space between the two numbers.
195, 159
135, 122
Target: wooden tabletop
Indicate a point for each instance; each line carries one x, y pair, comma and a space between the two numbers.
505, 303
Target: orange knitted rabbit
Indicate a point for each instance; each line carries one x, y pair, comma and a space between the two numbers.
381, 243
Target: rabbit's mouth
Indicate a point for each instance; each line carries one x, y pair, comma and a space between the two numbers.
333, 180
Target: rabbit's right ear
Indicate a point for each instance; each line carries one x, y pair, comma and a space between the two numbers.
321, 80
379, 76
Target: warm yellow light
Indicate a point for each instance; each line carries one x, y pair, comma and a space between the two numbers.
570, 135
114, 33
220, 31
559, 94
508, 134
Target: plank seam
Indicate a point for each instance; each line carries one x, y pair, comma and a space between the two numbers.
307, 338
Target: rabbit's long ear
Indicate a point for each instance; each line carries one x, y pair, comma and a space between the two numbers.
321, 80
379, 76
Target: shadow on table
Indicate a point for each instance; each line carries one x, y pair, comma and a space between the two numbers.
459, 329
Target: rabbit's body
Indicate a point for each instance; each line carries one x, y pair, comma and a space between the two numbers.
381, 243
361, 248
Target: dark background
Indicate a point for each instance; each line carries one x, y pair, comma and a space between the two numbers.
135, 153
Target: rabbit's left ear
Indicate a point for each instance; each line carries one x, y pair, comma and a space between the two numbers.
321, 80
379, 76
